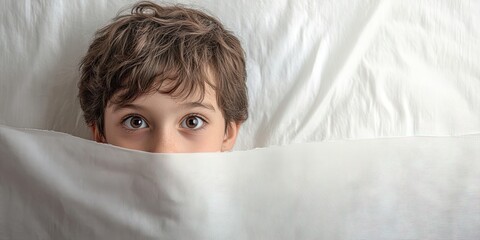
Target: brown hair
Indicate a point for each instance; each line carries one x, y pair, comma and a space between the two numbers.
137, 52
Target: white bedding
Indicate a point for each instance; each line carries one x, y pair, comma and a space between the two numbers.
55, 186
317, 70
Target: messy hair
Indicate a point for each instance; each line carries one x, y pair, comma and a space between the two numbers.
184, 49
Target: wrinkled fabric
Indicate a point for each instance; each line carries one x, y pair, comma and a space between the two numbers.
57, 186
317, 70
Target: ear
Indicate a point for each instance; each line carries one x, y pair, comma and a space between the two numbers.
96, 135
230, 136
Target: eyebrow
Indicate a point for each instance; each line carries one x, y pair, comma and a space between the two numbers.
127, 105
184, 105
198, 104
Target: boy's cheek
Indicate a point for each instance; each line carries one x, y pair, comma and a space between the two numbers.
204, 143
188, 142
126, 141
180, 142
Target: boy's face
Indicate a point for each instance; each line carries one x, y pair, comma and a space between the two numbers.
159, 123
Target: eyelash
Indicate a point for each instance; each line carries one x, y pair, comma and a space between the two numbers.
183, 119
129, 116
196, 115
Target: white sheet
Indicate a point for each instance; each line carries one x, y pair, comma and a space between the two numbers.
55, 186
317, 70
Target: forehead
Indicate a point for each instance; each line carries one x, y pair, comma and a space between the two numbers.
181, 87
190, 86
172, 92
158, 103
194, 93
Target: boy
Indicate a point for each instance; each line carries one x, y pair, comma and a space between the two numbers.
164, 79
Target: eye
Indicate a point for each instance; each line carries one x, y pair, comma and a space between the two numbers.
135, 122
192, 122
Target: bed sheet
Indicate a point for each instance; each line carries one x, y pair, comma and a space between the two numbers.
56, 186
317, 70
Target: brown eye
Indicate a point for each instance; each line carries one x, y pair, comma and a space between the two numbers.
192, 122
135, 122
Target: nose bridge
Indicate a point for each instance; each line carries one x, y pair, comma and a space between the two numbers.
163, 141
